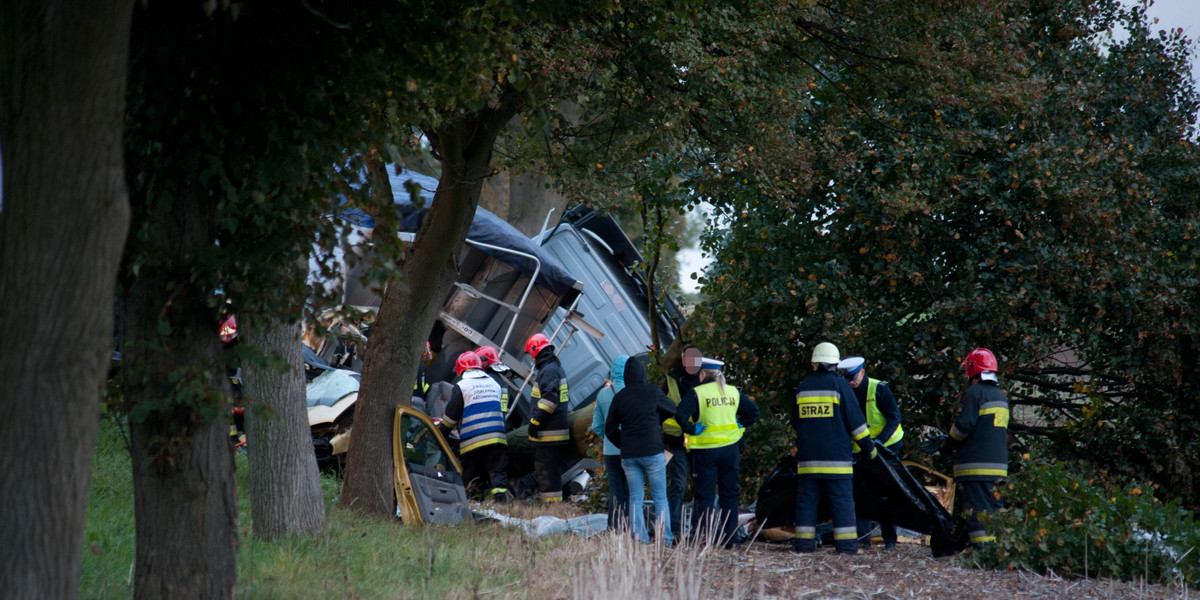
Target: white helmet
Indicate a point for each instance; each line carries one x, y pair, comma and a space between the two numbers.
826, 354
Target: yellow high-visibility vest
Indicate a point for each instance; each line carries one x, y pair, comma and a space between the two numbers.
875, 419
718, 411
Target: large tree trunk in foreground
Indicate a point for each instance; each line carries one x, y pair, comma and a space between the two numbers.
411, 305
285, 487
185, 507
63, 219
185, 499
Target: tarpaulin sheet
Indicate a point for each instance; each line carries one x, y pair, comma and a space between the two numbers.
486, 228
883, 491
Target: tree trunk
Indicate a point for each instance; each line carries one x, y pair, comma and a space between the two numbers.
531, 199
411, 305
185, 499
185, 509
285, 487
522, 199
63, 219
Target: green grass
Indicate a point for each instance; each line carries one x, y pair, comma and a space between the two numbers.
355, 556
108, 537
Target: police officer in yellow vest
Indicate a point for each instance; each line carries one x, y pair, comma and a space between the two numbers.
680, 382
721, 415
883, 422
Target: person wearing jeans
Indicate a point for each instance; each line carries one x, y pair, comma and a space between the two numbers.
634, 426
638, 472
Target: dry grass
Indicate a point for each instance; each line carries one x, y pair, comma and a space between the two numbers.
763, 570
612, 565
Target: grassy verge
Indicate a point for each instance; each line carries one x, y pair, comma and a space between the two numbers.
355, 557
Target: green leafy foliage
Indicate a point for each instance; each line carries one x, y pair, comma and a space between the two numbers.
996, 175
767, 441
1059, 519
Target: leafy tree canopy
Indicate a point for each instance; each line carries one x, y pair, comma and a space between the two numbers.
1010, 178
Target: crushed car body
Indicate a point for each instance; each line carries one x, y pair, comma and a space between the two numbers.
576, 281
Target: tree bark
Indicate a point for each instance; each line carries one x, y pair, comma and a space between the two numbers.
523, 199
185, 497
285, 487
411, 305
185, 509
64, 214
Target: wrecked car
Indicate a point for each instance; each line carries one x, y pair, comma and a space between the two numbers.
576, 281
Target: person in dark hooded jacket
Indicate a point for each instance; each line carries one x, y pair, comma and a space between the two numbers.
634, 425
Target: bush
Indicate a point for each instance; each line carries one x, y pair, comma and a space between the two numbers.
766, 442
1058, 519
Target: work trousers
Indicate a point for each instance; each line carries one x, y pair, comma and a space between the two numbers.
618, 490
485, 470
978, 497
677, 480
887, 529
547, 467
715, 470
840, 493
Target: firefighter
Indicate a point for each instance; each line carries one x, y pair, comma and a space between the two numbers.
679, 383
489, 357
549, 430
828, 425
474, 408
979, 440
879, 406
722, 414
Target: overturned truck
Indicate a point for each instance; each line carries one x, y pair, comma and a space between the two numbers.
576, 282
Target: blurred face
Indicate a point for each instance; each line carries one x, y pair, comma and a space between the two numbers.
691, 360
858, 378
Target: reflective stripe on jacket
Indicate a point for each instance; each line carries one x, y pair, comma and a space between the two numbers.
671, 426
482, 421
826, 419
718, 411
981, 433
550, 401
876, 420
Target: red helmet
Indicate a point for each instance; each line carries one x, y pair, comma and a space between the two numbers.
980, 360
466, 360
535, 344
487, 356
228, 329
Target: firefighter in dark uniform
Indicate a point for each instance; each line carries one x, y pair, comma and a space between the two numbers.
549, 430
474, 408
883, 423
489, 357
828, 423
679, 383
979, 439
722, 414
